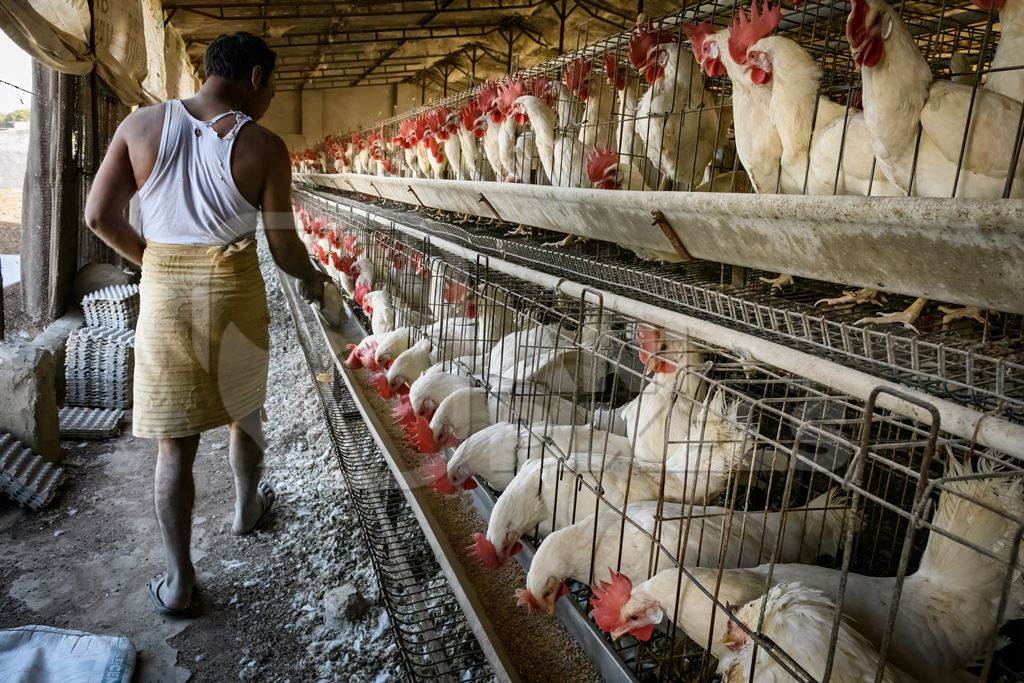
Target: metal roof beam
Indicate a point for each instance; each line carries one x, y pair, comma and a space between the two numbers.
263, 11
376, 37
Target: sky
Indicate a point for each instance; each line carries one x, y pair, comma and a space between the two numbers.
16, 68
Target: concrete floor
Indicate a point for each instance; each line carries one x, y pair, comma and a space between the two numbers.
84, 562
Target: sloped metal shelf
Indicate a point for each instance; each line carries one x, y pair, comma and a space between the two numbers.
981, 368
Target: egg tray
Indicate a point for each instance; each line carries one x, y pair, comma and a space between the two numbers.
25, 476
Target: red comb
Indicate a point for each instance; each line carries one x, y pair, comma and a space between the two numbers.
369, 357
643, 41
577, 77
407, 133
483, 551
508, 93
745, 32
540, 87
524, 598
697, 34
454, 292
361, 291
403, 412
435, 472
320, 254
379, 381
353, 360
471, 116
616, 72
332, 238
608, 600
418, 265
423, 436
487, 98
603, 168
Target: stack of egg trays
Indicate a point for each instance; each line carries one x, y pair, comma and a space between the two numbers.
114, 306
25, 476
98, 367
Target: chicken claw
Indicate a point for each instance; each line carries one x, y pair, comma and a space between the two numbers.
975, 313
566, 241
907, 317
860, 296
783, 280
520, 231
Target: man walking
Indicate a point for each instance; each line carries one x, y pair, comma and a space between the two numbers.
205, 173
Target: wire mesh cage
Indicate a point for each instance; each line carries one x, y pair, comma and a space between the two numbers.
814, 98
718, 515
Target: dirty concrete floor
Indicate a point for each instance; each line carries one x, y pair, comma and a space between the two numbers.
83, 563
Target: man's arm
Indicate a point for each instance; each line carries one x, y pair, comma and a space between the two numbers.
112, 189
278, 221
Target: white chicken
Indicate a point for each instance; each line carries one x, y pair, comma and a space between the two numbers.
798, 620
946, 608
550, 356
1010, 50
496, 453
813, 129
599, 125
444, 340
432, 387
918, 124
631, 146
436, 133
757, 145
487, 99
816, 133
467, 411
816, 529
606, 170
406, 139
473, 127
676, 118
508, 93
448, 134
548, 492
901, 98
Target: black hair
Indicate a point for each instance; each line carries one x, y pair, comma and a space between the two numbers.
235, 56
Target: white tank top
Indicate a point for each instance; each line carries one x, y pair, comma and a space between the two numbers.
191, 197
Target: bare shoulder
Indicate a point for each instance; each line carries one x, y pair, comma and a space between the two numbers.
144, 117
263, 141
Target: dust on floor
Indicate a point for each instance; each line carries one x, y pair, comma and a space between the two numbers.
84, 562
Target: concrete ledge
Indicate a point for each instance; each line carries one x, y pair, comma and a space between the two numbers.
965, 251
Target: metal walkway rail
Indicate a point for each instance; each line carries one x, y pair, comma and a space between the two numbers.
429, 626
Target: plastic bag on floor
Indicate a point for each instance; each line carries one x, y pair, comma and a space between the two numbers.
32, 654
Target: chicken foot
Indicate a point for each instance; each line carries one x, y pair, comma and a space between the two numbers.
780, 282
975, 313
861, 296
520, 231
906, 317
566, 241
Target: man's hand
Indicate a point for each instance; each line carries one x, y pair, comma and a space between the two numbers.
311, 289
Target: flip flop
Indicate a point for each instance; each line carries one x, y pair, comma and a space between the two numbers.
154, 597
266, 493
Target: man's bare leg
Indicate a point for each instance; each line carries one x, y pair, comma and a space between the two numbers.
246, 455
174, 494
